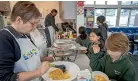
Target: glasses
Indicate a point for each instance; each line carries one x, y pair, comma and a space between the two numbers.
33, 24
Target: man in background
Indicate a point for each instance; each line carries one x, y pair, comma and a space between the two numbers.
51, 28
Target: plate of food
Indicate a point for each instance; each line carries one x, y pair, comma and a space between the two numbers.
82, 48
56, 74
99, 76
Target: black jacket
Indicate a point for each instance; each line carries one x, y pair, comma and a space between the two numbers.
9, 54
50, 21
103, 31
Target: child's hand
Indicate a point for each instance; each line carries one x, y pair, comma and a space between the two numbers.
96, 48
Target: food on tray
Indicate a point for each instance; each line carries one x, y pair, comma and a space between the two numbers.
100, 78
59, 75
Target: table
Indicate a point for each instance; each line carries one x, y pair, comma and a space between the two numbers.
83, 62
69, 48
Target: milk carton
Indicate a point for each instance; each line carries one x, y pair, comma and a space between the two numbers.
84, 75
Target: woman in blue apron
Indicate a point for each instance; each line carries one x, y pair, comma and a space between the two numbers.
19, 57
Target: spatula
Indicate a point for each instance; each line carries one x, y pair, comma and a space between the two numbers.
62, 67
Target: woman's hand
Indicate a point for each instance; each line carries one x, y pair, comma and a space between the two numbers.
96, 48
43, 68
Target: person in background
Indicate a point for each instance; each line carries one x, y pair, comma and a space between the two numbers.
19, 57
68, 26
41, 43
82, 39
115, 64
102, 26
95, 39
51, 28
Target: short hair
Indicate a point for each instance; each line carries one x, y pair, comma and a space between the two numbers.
117, 42
54, 10
26, 10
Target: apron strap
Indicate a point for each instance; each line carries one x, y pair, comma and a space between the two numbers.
8, 31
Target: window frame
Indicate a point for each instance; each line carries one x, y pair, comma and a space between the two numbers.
119, 6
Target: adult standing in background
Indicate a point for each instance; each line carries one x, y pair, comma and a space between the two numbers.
102, 26
51, 27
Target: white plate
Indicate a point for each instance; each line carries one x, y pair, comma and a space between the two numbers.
82, 48
63, 40
60, 42
62, 54
73, 46
95, 73
71, 68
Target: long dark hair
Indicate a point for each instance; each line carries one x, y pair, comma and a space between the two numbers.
102, 19
82, 32
98, 33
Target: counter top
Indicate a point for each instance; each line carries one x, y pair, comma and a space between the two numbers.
83, 62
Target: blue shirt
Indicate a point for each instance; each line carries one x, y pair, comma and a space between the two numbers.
9, 54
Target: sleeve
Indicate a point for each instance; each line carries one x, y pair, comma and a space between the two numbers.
101, 28
129, 75
52, 21
97, 61
7, 59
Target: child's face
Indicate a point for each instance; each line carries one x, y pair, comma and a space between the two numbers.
113, 55
94, 37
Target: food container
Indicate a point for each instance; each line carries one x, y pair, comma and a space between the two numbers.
84, 75
95, 73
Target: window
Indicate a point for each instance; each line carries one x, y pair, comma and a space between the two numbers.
124, 17
100, 2
135, 3
98, 12
128, 14
89, 2
111, 17
113, 2
132, 17
126, 2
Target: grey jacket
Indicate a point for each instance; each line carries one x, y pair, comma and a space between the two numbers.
50, 21
103, 31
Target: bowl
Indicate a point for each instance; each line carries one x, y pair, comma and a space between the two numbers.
95, 73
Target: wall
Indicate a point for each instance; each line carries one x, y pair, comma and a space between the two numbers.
45, 7
70, 9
